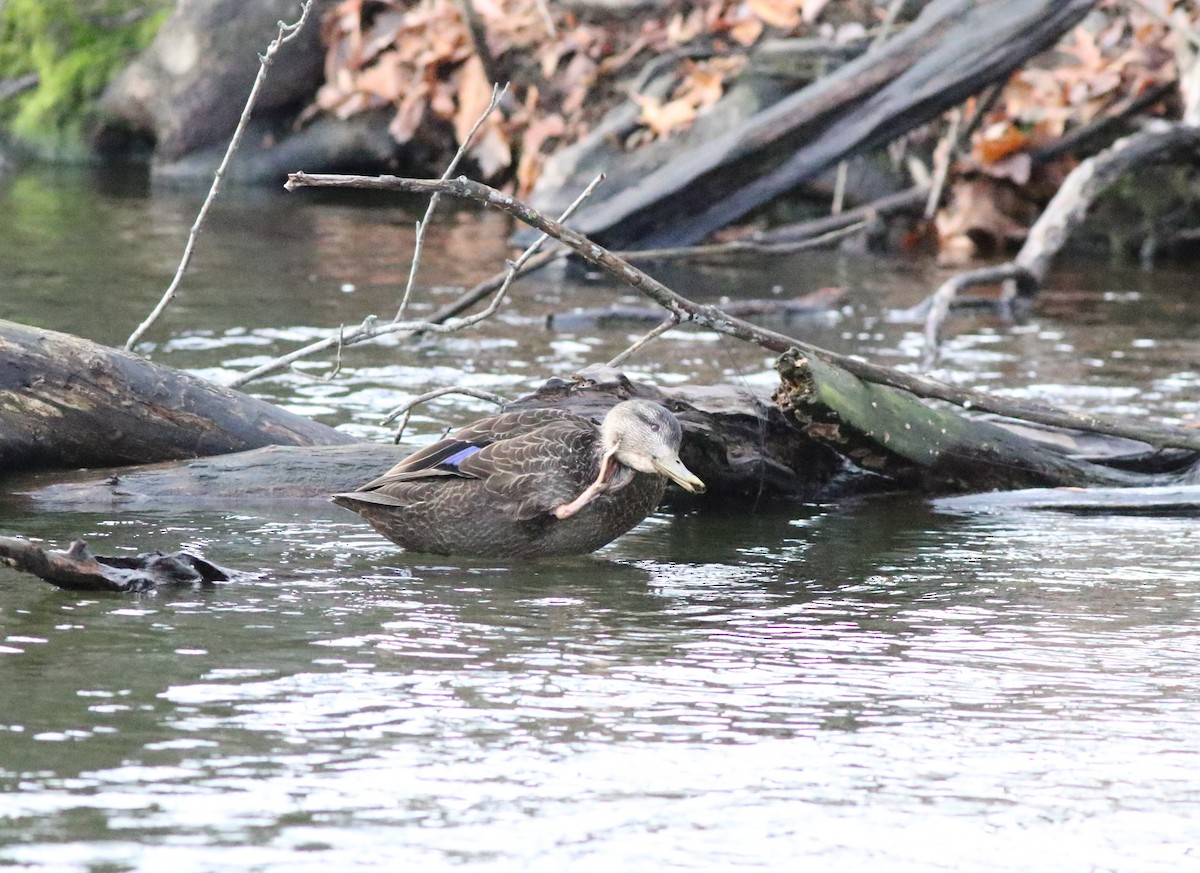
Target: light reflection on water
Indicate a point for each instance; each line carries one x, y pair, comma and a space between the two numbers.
974, 693
872, 686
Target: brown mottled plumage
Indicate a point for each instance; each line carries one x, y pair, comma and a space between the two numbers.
534, 483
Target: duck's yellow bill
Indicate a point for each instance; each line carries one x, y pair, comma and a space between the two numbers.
671, 467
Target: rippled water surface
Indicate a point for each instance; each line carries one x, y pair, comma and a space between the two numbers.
865, 687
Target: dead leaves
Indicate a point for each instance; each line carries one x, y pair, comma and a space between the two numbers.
701, 86
1104, 64
418, 59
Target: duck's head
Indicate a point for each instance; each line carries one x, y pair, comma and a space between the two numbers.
644, 436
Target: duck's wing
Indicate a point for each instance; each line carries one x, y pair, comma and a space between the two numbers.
446, 456
529, 474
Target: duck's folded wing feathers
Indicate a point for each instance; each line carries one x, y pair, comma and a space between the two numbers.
534, 472
444, 457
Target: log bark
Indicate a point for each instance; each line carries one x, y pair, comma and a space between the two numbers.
66, 402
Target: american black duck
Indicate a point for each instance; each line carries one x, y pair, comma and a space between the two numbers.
529, 484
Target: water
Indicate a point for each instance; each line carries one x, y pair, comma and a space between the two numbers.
863, 687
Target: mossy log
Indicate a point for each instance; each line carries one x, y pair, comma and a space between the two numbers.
893, 434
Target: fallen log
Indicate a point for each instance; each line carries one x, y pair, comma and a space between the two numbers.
66, 402
740, 445
953, 49
921, 447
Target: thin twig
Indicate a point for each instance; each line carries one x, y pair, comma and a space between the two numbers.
843, 167
658, 331
943, 155
337, 362
287, 32
889, 21
444, 321
405, 411
477, 28
839, 188
713, 318
544, 8
419, 242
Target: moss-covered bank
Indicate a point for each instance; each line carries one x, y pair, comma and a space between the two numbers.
73, 47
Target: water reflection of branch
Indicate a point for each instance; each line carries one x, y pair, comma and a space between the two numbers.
287, 32
715, 319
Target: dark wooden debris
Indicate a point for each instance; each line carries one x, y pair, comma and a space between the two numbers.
77, 569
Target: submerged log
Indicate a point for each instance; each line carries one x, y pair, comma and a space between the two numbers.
77, 569
66, 402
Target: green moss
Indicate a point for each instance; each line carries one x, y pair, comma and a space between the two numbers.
75, 47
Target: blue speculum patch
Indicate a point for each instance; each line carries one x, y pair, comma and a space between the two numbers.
459, 456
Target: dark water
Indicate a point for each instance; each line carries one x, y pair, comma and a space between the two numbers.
868, 687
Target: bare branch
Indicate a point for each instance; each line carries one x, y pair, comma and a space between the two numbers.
406, 410
287, 32
658, 331
715, 319
942, 157
464, 146
443, 321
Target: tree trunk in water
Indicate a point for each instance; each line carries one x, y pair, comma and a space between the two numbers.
66, 402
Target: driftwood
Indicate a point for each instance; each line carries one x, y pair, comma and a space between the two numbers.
953, 49
77, 569
66, 402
